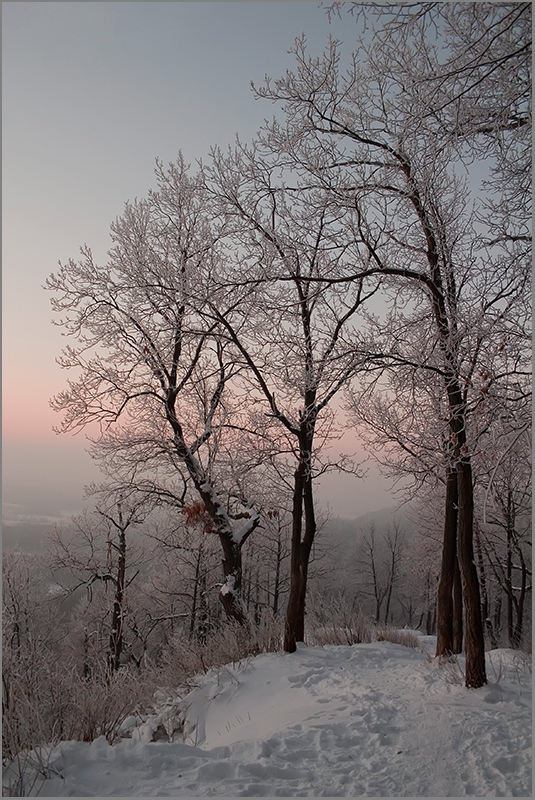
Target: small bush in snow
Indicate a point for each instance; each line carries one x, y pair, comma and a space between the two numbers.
396, 636
229, 645
61, 705
22, 775
99, 707
503, 663
334, 620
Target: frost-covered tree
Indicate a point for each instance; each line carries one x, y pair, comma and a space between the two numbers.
378, 567
505, 540
32, 672
271, 555
152, 377
389, 139
184, 573
96, 553
293, 330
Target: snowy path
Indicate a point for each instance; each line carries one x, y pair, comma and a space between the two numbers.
371, 720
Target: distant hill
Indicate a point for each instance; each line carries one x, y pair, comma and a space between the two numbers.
344, 533
28, 536
338, 539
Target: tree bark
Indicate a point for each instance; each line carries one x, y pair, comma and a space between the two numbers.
301, 549
231, 591
518, 629
294, 628
509, 571
498, 615
445, 608
474, 639
116, 634
391, 581
458, 625
431, 606
276, 588
388, 599
485, 607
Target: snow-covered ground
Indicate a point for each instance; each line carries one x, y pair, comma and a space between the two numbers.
373, 720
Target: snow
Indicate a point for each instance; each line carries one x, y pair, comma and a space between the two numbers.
373, 720
246, 529
229, 586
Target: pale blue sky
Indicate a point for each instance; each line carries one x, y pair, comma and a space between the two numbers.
92, 93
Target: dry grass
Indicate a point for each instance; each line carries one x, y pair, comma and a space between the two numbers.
335, 620
396, 636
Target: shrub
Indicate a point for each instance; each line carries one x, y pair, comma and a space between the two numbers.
231, 644
335, 620
396, 636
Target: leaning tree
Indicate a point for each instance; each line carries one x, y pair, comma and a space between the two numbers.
152, 377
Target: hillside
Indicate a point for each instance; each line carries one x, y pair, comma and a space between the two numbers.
369, 720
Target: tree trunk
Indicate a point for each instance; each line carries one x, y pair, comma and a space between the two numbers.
193, 613
301, 549
377, 610
447, 331
377, 592
445, 608
276, 588
509, 572
116, 635
497, 616
230, 594
485, 609
519, 604
295, 627
391, 580
429, 617
458, 625
86, 669
518, 629
474, 640
295, 616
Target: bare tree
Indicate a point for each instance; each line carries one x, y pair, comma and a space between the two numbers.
294, 336
374, 138
277, 540
97, 550
394, 540
405, 428
379, 567
179, 591
505, 537
31, 666
145, 358
374, 583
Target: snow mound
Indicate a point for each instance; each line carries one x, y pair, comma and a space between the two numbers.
367, 720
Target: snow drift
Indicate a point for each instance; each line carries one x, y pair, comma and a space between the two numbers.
371, 720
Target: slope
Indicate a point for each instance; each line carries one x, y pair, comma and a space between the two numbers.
369, 720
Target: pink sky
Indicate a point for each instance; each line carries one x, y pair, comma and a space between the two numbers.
92, 94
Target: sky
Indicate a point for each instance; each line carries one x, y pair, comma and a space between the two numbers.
92, 94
